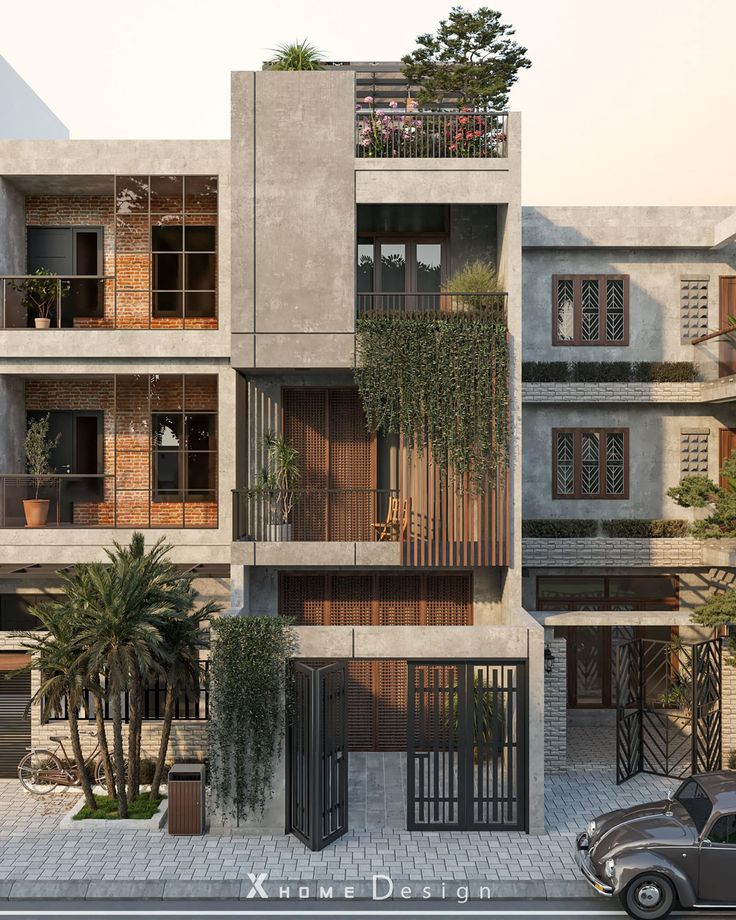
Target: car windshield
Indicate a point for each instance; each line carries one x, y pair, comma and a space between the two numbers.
695, 801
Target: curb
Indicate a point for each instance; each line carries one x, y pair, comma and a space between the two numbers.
235, 890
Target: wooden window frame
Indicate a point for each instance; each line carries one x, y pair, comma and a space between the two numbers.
607, 602
577, 281
577, 492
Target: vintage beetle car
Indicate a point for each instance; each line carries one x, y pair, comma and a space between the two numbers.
682, 849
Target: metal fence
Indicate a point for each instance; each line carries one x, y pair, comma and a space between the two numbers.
390, 133
491, 305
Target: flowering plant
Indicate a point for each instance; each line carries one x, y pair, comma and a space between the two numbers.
406, 133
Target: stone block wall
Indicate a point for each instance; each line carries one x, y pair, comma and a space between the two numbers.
555, 708
612, 392
728, 709
609, 552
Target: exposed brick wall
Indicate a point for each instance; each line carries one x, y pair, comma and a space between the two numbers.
127, 459
555, 709
126, 256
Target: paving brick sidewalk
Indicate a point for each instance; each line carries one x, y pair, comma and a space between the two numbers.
32, 847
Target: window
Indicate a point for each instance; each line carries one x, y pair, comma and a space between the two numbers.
590, 310
590, 463
398, 266
16, 611
724, 830
615, 592
185, 456
183, 271
695, 801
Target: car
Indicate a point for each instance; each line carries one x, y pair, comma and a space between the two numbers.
681, 850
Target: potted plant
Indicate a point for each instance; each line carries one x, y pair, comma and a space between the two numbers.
276, 484
40, 293
38, 463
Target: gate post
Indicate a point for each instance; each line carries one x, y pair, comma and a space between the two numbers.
694, 709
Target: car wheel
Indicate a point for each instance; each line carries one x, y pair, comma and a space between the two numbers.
649, 897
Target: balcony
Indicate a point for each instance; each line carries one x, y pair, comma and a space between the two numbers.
72, 302
390, 133
489, 306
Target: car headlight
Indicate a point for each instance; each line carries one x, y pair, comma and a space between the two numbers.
609, 868
591, 829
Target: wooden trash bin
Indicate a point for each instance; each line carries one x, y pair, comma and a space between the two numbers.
186, 798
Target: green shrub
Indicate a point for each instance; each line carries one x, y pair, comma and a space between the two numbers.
601, 371
545, 372
644, 528
665, 372
476, 277
559, 528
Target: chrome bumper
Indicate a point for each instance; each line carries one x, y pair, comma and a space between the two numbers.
583, 862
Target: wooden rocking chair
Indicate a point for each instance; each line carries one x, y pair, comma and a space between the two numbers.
397, 520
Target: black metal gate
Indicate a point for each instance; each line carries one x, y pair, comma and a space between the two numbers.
668, 709
317, 755
466, 756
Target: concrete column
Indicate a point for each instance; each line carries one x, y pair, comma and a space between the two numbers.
728, 708
535, 793
239, 590
13, 403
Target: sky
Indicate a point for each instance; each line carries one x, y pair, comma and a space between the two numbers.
628, 101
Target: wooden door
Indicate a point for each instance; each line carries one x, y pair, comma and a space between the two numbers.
726, 309
726, 446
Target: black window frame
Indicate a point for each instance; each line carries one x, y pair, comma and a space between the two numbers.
184, 493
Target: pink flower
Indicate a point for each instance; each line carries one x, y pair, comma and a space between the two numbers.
365, 142
393, 104
368, 100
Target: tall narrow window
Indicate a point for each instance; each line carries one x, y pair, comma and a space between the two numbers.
185, 459
590, 463
590, 310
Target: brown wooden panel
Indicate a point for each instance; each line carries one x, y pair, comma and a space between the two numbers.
351, 599
360, 705
305, 427
302, 598
449, 600
351, 465
11, 661
726, 446
726, 309
399, 600
390, 705
185, 807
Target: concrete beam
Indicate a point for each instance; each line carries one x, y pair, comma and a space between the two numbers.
725, 232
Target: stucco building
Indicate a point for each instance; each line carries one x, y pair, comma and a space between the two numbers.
209, 294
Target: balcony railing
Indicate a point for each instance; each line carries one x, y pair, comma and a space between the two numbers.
101, 500
389, 133
71, 302
490, 305
316, 515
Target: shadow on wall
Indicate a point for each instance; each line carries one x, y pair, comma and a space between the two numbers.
23, 114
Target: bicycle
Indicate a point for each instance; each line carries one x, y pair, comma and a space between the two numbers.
40, 771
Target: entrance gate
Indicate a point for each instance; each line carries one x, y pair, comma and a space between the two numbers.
317, 755
466, 751
668, 715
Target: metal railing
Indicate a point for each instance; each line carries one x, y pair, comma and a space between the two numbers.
66, 494
390, 133
74, 302
491, 305
316, 515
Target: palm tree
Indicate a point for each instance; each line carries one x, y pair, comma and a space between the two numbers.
184, 638
60, 657
296, 55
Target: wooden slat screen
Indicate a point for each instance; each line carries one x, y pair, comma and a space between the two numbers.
377, 688
351, 467
305, 427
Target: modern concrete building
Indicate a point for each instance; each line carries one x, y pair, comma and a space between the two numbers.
209, 294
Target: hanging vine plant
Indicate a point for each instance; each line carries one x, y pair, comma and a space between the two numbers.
441, 381
248, 674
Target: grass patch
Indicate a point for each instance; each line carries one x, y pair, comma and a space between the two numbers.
143, 808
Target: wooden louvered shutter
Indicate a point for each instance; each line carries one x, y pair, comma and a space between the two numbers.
15, 722
350, 468
399, 600
449, 600
390, 704
305, 428
350, 598
360, 705
302, 598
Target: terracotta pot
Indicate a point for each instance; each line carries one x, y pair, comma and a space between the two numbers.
42, 322
36, 511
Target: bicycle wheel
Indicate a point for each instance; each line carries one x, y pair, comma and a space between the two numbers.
100, 773
36, 771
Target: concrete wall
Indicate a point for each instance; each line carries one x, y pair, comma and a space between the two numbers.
12, 230
473, 235
13, 408
654, 302
555, 706
654, 456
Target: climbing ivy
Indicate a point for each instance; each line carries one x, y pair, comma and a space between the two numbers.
248, 672
441, 380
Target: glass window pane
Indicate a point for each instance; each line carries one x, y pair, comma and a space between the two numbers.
590, 325
642, 586
200, 271
429, 267
167, 303
570, 587
200, 194
167, 272
166, 239
393, 267
131, 194
167, 471
167, 194
615, 310
200, 304
167, 430
565, 463
200, 239
590, 477
564, 310
201, 474
615, 479
365, 267
201, 428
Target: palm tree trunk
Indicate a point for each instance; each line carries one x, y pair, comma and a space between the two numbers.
104, 748
79, 759
134, 740
163, 747
117, 729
